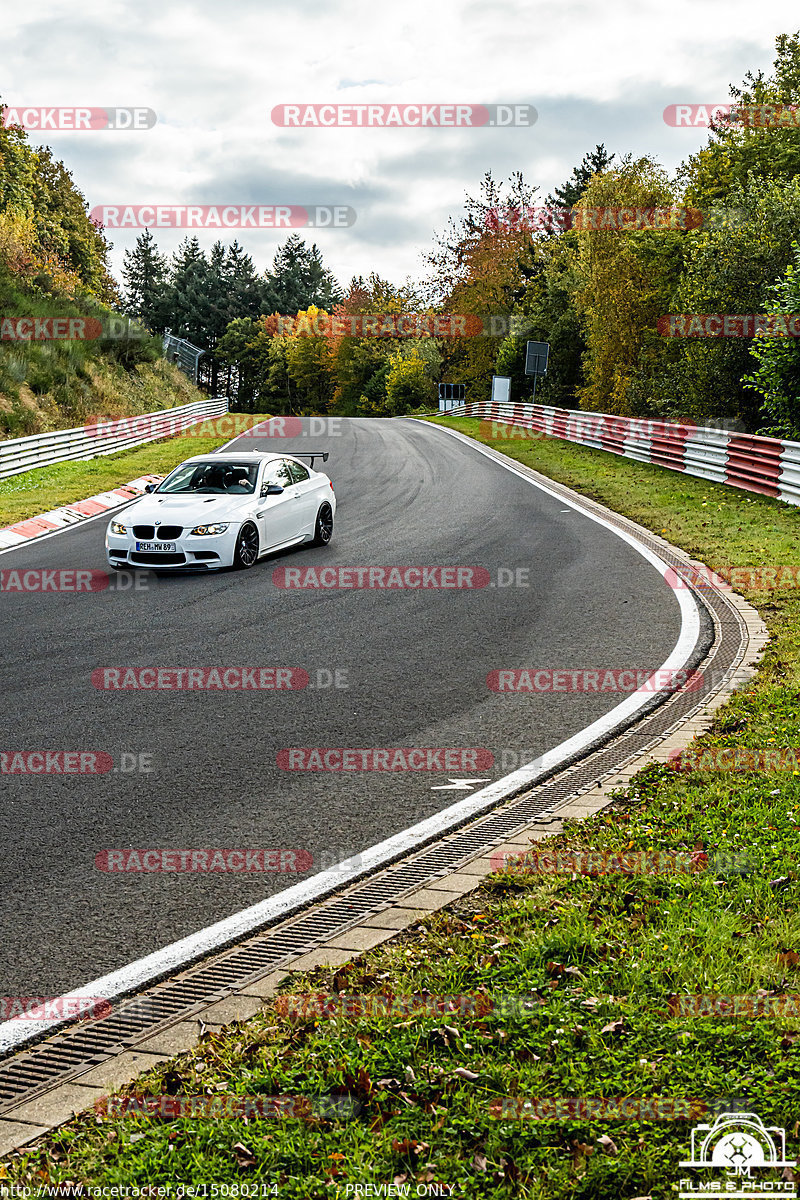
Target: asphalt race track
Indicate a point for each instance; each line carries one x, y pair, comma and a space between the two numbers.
415, 663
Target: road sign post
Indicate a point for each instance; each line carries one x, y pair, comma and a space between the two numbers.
452, 392
501, 389
536, 359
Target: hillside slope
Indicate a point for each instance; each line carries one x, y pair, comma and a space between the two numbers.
53, 265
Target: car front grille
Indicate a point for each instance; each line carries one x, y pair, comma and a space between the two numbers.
158, 560
164, 533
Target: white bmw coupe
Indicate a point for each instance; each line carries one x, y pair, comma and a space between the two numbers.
224, 510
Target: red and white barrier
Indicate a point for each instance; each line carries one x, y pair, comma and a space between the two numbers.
768, 466
71, 514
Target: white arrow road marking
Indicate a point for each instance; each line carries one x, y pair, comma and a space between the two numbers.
457, 785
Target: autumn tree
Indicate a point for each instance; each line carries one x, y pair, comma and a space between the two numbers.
478, 269
626, 277
759, 139
361, 364
45, 230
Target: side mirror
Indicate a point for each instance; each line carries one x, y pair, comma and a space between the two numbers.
150, 487
271, 489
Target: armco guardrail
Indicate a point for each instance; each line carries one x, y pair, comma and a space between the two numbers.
103, 437
769, 466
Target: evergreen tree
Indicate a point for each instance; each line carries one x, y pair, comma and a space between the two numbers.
594, 163
145, 275
299, 278
245, 291
187, 301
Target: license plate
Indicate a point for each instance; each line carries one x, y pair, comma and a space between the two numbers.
165, 547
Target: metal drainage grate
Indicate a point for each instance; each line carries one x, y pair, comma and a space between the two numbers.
67, 1055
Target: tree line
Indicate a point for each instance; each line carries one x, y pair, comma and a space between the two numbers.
596, 290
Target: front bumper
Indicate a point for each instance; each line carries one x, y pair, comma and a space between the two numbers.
209, 553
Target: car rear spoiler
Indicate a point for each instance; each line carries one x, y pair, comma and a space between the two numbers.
312, 454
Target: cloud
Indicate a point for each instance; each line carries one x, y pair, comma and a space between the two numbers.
595, 73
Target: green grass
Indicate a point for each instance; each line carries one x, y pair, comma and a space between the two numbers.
39, 491
598, 958
62, 383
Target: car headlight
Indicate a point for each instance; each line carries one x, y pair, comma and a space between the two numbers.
220, 527
115, 527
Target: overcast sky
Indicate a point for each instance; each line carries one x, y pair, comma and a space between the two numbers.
595, 72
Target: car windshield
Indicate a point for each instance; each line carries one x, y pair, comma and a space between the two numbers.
210, 478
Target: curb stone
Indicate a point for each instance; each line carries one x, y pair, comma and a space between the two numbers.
72, 514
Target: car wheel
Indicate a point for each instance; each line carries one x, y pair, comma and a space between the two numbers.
246, 552
324, 527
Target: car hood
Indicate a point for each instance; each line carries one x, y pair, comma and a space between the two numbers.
183, 510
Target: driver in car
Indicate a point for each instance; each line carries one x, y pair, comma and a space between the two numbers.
237, 479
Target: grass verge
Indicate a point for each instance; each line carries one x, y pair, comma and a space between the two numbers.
39, 491
61, 383
598, 963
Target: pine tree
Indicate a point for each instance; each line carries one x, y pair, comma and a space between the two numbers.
245, 290
300, 279
145, 275
187, 300
568, 195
